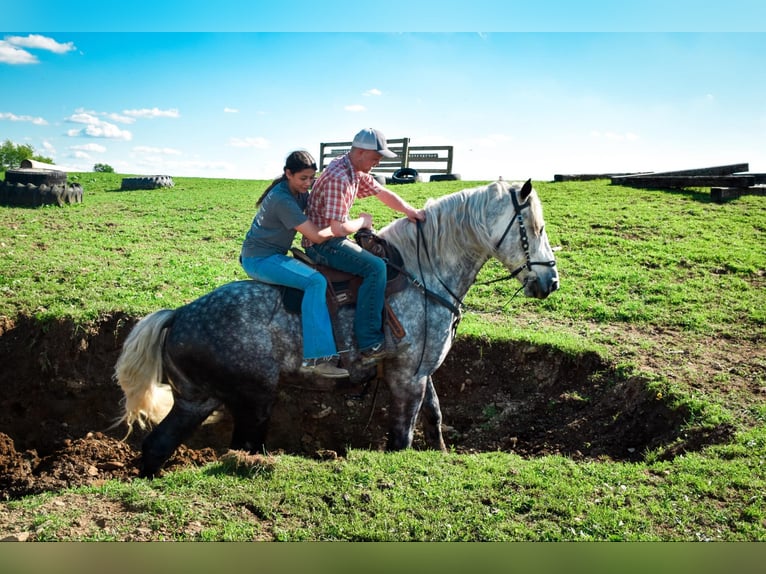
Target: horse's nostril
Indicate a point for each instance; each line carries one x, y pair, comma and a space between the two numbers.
554, 285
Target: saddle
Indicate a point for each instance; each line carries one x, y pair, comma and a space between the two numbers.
343, 287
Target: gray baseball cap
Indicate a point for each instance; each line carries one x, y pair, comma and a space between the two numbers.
370, 138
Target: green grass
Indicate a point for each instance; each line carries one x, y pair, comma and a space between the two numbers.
428, 496
627, 255
629, 258
653, 258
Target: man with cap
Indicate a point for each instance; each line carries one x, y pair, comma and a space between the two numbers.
342, 181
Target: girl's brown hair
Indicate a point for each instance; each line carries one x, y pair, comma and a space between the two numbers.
295, 162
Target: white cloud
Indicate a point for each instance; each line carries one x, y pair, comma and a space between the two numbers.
96, 128
258, 143
12, 52
83, 117
231, 110
14, 118
48, 147
36, 41
11, 55
355, 108
109, 115
103, 130
159, 150
373, 92
152, 113
120, 118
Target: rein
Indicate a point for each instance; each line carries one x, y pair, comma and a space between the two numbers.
420, 285
456, 309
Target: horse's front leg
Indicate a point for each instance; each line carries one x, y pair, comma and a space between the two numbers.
432, 418
181, 421
406, 400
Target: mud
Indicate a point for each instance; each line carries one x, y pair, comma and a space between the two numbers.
58, 401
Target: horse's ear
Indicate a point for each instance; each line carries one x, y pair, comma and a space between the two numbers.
526, 189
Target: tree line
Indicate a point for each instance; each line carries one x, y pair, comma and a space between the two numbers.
11, 156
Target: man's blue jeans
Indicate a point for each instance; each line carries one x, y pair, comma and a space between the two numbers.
346, 255
318, 341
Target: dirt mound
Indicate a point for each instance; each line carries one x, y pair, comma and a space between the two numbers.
58, 402
86, 461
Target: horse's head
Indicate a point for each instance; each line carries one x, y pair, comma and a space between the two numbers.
522, 244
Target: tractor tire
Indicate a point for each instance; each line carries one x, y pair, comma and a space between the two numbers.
445, 177
31, 195
35, 176
149, 182
405, 175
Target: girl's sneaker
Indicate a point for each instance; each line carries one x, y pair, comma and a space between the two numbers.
322, 368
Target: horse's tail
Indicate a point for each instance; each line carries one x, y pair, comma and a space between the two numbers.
139, 372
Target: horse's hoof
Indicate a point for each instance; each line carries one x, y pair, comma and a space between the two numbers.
147, 473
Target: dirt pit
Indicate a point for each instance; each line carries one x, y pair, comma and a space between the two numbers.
58, 401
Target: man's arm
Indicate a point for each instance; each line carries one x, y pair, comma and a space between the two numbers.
342, 229
396, 203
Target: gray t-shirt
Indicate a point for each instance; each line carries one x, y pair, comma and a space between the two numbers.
273, 227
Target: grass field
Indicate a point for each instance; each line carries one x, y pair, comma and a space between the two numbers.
663, 283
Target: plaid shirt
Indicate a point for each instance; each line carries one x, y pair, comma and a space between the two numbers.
334, 193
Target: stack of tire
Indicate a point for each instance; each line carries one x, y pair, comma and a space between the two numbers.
445, 177
411, 175
36, 187
405, 175
147, 182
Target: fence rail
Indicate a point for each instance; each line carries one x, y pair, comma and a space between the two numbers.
424, 159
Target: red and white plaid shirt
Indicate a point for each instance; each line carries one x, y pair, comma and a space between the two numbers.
334, 193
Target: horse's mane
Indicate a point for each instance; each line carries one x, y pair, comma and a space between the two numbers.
458, 225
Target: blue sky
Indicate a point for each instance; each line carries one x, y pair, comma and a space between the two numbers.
181, 89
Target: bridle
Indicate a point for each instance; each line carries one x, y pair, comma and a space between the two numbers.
456, 307
517, 216
524, 238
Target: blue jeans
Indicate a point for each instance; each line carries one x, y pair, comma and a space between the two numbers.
346, 255
318, 341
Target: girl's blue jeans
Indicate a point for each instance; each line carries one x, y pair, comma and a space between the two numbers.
346, 255
278, 269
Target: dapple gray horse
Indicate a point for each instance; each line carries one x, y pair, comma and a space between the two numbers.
231, 346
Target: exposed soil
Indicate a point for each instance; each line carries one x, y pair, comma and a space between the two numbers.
58, 400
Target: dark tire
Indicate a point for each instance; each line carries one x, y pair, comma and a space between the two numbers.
445, 177
71, 194
31, 195
35, 176
405, 175
149, 182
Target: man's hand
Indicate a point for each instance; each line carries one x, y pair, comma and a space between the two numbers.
367, 220
415, 214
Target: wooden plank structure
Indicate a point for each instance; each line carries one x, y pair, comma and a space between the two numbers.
424, 159
724, 181
559, 177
